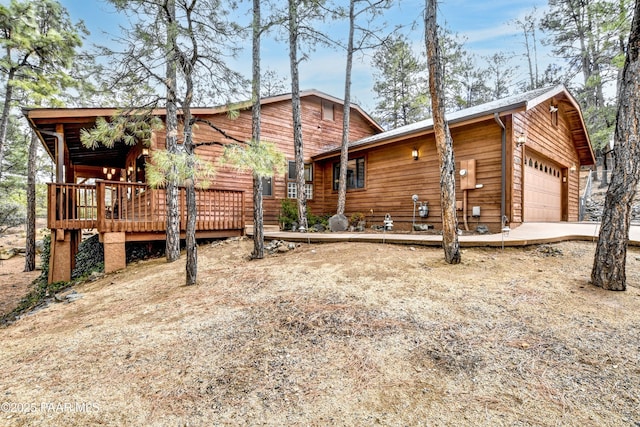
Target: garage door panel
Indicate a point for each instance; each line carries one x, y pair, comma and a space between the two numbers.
543, 190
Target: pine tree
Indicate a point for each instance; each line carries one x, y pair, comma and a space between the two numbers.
444, 142
609, 266
400, 84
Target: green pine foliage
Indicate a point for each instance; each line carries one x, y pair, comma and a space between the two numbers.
262, 158
129, 128
166, 167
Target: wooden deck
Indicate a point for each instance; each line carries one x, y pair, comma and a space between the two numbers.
132, 208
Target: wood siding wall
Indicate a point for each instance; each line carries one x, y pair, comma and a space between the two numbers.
393, 176
318, 136
550, 140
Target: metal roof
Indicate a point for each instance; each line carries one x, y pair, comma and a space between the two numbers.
520, 102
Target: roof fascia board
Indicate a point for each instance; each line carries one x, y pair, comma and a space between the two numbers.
454, 123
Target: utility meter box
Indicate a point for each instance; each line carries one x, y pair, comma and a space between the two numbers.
475, 211
468, 174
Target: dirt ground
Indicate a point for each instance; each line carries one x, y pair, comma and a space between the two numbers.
14, 283
344, 334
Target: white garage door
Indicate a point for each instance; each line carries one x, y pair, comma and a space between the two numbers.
542, 190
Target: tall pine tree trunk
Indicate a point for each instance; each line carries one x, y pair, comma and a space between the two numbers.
6, 109
192, 213
258, 214
190, 190
346, 116
30, 253
297, 119
172, 247
609, 266
444, 142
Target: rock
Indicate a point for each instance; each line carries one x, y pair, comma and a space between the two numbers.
548, 250
73, 296
8, 253
95, 275
291, 246
338, 223
482, 229
319, 228
422, 227
39, 246
282, 249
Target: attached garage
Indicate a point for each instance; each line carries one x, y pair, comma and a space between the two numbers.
542, 189
526, 151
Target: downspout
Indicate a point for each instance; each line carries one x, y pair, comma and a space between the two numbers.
503, 177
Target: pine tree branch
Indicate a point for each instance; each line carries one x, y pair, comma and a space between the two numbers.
217, 129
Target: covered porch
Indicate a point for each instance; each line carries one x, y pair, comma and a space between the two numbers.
105, 190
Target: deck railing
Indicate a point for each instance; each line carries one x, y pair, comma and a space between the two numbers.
72, 206
114, 206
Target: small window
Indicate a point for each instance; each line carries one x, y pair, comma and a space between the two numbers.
327, 110
308, 171
292, 187
355, 174
292, 190
267, 186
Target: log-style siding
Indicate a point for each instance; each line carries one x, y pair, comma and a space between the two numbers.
553, 141
318, 136
392, 177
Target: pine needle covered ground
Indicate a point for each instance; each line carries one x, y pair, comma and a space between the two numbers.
344, 334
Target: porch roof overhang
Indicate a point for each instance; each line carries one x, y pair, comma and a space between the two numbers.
69, 122
511, 105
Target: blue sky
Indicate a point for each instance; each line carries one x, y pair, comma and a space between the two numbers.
485, 25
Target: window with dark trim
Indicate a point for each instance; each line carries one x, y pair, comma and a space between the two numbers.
355, 174
292, 187
267, 186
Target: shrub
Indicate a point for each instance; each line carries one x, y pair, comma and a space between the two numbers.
289, 215
11, 214
356, 218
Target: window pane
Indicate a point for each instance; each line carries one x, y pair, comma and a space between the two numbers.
308, 189
308, 172
292, 170
292, 190
360, 172
355, 174
267, 188
327, 110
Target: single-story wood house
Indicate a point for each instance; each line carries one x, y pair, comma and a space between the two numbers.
519, 159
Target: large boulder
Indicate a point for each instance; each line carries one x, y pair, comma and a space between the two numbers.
338, 223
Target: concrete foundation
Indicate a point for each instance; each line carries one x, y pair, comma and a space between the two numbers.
115, 257
62, 259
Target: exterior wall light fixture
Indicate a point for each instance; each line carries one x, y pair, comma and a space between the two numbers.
415, 153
